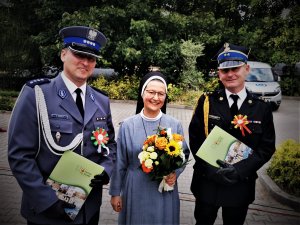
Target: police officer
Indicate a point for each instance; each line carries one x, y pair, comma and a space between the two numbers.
58, 115
231, 187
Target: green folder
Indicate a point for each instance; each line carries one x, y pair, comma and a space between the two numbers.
70, 179
221, 145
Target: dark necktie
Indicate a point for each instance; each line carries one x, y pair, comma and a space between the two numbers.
234, 106
79, 102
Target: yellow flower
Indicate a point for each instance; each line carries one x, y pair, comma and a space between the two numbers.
173, 148
161, 143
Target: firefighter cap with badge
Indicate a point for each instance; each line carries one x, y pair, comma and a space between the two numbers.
84, 40
230, 56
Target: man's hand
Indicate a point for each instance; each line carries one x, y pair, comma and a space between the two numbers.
57, 210
99, 180
226, 174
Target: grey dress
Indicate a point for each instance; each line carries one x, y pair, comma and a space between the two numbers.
142, 202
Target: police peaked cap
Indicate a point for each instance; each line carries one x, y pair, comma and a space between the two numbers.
83, 40
232, 56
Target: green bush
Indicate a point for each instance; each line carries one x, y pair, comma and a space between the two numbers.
7, 99
174, 92
6, 103
211, 85
285, 167
125, 88
13, 94
290, 86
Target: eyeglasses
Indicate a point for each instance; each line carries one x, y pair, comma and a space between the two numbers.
152, 94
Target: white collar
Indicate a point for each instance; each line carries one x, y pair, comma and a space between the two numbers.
242, 96
149, 118
71, 86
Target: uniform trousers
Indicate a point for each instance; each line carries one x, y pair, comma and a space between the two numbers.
206, 214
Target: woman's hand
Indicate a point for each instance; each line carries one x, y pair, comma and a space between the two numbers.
116, 203
171, 179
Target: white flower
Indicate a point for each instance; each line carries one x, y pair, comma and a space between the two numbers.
182, 155
153, 155
143, 156
150, 149
156, 162
148, 163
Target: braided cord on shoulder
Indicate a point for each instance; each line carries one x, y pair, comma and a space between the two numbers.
205, 113
45, 125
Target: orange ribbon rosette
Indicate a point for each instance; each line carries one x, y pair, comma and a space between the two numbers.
241, 122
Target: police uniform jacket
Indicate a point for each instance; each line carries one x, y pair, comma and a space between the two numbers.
29, 157
261, 140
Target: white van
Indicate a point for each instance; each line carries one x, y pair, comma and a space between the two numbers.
262, 83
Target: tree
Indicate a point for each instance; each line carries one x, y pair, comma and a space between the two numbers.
143, 33
190, 77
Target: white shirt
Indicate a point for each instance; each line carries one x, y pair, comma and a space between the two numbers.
72, 87
242, 96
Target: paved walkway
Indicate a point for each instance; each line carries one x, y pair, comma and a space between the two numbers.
264, 211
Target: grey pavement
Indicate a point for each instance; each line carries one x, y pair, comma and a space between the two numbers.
265, 210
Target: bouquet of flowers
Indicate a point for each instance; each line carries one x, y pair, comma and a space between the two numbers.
162, 154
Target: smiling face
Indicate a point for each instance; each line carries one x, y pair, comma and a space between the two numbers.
77, 67
234, 78
154, 97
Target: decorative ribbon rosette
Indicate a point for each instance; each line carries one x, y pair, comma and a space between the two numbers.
100, 139
241, 122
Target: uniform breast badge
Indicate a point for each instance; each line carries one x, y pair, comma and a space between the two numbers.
100, 139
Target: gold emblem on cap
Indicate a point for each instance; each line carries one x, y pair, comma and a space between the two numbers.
226, 47
92, 34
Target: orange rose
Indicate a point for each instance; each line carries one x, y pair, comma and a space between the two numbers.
177, 137
161, 143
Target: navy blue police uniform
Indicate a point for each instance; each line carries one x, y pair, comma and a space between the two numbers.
30, 155
211, 193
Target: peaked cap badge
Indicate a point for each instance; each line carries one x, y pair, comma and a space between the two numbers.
92, 34
226, 47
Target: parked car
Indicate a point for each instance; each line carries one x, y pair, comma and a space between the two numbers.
50, 71
106, 72
262, 83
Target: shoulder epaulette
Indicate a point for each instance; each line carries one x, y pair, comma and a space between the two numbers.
98, 90
38, 81
207, 93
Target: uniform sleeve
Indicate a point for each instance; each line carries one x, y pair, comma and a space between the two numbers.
23, 145
196, 128
109, 162
121, 164
264, 149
